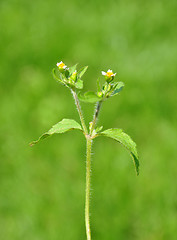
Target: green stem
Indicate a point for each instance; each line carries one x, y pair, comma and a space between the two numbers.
87, 196
79, 111
95, 116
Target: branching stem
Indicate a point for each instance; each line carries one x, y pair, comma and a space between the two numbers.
89, 138
95, 116
79, 111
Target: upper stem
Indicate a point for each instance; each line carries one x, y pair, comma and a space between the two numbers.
95, 116
79, 111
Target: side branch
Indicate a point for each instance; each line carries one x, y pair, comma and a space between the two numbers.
95, 116
79, 111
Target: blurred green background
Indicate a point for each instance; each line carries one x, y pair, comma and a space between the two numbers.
42, 189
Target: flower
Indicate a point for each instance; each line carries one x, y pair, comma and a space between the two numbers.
109, 73
61, 65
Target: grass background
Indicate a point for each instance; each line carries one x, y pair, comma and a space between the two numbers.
42, 188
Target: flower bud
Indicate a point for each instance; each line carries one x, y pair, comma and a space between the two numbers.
74, 76
90, 125
99, 94
109, 87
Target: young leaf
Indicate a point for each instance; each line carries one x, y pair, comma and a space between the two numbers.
66, 73
98, 129
79, 84
126, 141
73, 69
82, 71
90, 97
58, 78
118, 88
61, 127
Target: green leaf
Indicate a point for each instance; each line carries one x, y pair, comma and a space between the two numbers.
79, 84
126, 141
61, 127
73, 69
90, 97
66, 73
57, 76
98, 129
82, 71
118, 88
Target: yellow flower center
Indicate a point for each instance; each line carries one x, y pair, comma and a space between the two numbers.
61, 65
109, 74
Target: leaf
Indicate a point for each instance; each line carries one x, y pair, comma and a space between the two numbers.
73, 69
79, 84
90, 97
61, 127
82, 71
66, 73
126, 141
98, 129
118, 88
58, 78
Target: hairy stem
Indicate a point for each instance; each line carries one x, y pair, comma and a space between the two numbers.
87, 196
79, 111
95, 116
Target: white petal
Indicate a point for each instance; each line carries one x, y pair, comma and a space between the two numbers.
109, 70
103, 73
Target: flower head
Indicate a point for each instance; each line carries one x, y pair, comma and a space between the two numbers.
61, 65
109, 73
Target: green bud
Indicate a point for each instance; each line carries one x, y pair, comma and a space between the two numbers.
90, 125
74, 76
99, 94
105, 87
109, 79
109, 87
61, 70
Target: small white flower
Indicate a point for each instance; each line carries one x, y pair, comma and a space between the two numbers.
109, 73
61, 65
